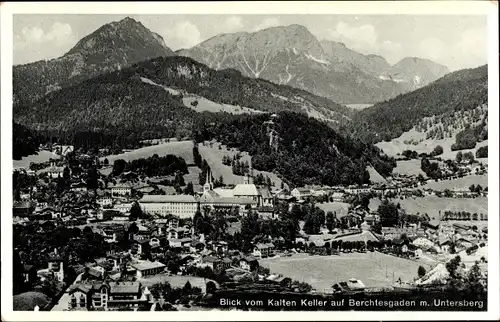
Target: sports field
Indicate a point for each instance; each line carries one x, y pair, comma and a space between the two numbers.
373, 269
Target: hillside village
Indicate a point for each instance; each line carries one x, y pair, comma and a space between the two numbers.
144, 233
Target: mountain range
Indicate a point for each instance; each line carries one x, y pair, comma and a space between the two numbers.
463, 90
288, 55
292, 55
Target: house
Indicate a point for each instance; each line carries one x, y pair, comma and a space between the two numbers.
105, 202
55, 172
79, 187
337, 196
445, 245
123, 207
148, 268
372, 219
219, 247
423, 243
249, 263
177, 233
301, 193
180, 243
121, 189
263, 250
140, 247
265, 198
109, 296
213, 262
29, 274
22, 209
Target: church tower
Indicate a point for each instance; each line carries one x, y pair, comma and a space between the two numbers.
208, 182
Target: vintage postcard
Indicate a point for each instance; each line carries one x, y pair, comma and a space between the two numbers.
233, 161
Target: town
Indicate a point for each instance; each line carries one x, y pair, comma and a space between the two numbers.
132, 235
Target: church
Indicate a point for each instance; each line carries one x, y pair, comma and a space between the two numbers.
240, 199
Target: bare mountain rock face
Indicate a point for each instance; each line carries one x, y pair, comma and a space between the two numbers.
291, 55
111, 47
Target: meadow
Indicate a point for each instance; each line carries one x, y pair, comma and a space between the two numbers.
432, 205
373, 269
464, 182
40, 157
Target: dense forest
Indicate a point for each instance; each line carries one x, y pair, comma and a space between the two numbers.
470, 136
152, 166
24, 141
122, 102
459, 91
307, 151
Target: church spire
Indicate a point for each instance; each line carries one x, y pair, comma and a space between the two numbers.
208, 182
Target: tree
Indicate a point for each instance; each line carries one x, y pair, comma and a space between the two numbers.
459, 157
66, 174
211, 287
173, 267
118, 167
421, 271
473, 280
438, 150
330, 221
187, 287
389, 214
189, 190
132, 229
106, 162
135, 212
482, 152
453, 265
92, 179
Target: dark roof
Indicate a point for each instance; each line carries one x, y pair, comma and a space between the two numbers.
125, 287
27, 268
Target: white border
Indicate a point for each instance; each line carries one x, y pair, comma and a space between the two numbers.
253, 7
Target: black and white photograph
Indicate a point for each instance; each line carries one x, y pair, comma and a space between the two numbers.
236, 162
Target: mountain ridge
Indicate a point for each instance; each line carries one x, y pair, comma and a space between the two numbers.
130, 41
292, 55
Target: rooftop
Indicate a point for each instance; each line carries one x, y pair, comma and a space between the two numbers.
125, 287
147, 265
167, 198
245, 190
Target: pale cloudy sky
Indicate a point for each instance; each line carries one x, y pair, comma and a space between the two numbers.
455, 41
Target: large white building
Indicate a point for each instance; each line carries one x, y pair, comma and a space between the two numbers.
182, 206
121, 189
242, 197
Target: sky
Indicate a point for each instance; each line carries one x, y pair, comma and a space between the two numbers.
455, 41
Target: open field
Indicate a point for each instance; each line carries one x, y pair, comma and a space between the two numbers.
182, 149
40, 157
432, 205
373, 269
410, 167
202, 104
208, 151
375, 177
214, 156
205, 105
464, 182
174, 280
397, 145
